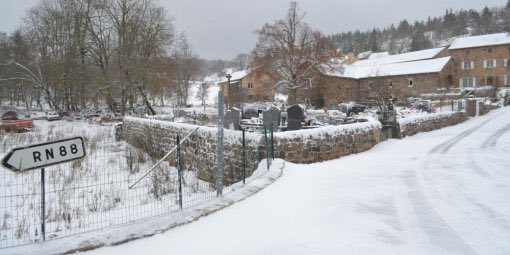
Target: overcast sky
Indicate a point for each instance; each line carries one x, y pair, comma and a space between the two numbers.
220, 29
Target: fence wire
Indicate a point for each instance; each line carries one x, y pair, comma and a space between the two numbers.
92, 193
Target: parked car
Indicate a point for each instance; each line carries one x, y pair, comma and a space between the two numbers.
10, 115
351, 108
52, 115
37, 115
425, 106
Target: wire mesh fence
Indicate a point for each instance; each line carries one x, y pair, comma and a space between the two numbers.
94, 193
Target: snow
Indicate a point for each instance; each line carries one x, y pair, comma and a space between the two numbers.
480, 41
364, 55
358, 71
379, 55
212, 95
373, 55
235, 193
328, 131
399, 58
382, 64
441, 192
417, 118
279, 97
236, 75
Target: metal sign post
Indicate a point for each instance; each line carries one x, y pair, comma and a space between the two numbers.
42, 155
219, 171
43, 206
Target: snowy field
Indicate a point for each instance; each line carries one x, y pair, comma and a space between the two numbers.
442, 192
91, 193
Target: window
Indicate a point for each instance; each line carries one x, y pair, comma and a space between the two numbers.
410, 82
490, 81
466, 51
507, 62
467, 65
371, 84
491, 63
250, 85
390, 83
467, 82
489, 50
507, 82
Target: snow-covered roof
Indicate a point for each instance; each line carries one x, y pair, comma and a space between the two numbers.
364, 55
379, 55
480, 41
392, 69
236, 75
404, 57
372, 55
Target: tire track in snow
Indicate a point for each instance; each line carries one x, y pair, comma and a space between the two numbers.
437, 230
478, 169
444, 147
493, 139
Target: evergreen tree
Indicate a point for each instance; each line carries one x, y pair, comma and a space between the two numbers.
374, 44
420, 41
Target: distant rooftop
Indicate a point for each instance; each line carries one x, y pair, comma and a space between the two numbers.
236, 75
404, 57
372, 55
382, 64
480, 41
392, 69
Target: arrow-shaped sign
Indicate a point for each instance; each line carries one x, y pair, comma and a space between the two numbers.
44, 154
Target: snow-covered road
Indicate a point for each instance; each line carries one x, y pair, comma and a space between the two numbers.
442, 192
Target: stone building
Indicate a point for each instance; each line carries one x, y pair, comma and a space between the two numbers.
481, 61
248, 86
375, 78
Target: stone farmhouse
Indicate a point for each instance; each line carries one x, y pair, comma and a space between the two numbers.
481, 61
248, 86
378, 77
468, 63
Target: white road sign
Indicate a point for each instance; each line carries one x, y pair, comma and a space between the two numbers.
44, 154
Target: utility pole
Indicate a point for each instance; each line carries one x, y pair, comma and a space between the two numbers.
219, 148
229, 101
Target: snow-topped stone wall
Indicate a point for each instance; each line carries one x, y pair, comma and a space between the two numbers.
413, 125
325, 143
198, 153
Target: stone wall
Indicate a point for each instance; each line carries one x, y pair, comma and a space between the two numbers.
198, 153
326, 143
302, 146
428, 122
486, 108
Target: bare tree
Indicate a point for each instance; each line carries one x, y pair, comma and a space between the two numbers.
187, 65
203, 93
242, 61
143, 31
83, 50
292, 50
